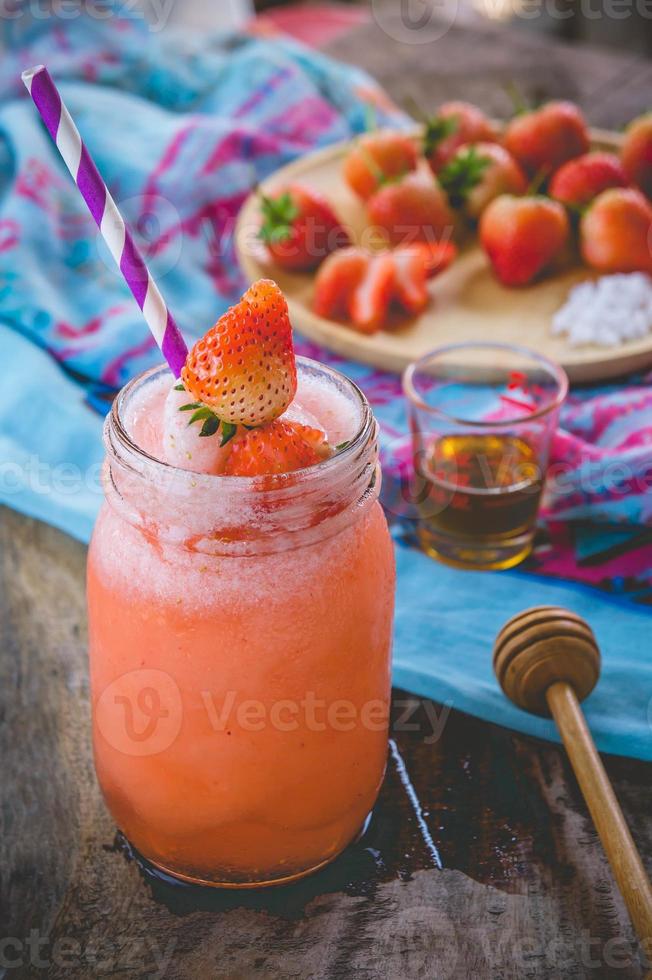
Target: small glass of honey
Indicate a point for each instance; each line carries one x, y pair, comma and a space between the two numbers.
482, 417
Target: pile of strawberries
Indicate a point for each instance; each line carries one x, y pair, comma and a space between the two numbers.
530, 192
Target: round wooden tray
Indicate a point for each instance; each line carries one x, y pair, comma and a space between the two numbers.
467, 301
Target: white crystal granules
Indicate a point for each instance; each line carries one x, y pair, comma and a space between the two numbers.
607, 312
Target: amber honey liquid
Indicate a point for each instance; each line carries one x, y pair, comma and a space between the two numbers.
479, 499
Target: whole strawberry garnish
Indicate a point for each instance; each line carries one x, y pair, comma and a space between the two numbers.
478, 173
455, 124
414, 208
376, 158
616, 232
277, 447
244, 368
522, 235
547, 137
636, 153
300, 228
580, 180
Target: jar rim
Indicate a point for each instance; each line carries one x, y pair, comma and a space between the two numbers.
117, 440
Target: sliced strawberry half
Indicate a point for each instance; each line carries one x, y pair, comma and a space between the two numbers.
338, 277
410, 279
244, 369
361, 286
278, 447
370, 300
436, 256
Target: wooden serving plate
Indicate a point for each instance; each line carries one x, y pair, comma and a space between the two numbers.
467, 301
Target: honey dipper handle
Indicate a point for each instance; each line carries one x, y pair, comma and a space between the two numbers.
603, 806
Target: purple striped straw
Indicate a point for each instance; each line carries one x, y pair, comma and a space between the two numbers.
60, 125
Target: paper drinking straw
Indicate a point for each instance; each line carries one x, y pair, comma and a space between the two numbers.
60, 125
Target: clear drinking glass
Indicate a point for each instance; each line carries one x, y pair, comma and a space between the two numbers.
482, 417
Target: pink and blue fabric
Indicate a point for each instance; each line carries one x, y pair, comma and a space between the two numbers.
182, 128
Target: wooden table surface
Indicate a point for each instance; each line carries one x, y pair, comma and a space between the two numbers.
480, 862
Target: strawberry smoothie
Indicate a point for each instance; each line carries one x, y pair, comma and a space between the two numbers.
240, 597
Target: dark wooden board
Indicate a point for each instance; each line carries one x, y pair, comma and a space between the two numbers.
524, 890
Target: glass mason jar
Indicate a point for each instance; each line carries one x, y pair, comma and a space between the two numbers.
240, 641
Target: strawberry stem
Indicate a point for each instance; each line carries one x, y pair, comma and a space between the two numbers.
516, 97
278, 215
537, 182
461, 174
438, 128
411, 106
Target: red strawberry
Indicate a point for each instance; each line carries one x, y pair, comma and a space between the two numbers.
478, 173
636, 153
410, 281
244, 368
412, 209
522, 235
378, 157
544, 139
616, 232
315, 438
436, 256
582, 179
455, 124
361, 286
371, 298
277, 447
300, 228
337, 279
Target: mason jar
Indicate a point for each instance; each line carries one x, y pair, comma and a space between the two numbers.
240, 639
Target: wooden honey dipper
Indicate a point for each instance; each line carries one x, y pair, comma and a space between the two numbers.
547, 660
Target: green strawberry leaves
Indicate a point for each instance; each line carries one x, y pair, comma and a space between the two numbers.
211, 422
437, 129
228, 432
200, 414
461, 174
210, 426
278, 215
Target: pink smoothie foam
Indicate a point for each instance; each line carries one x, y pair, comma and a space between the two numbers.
154, 421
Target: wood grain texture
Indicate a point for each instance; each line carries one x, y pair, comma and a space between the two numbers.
525, 890
547, 660
539, 646
603, 806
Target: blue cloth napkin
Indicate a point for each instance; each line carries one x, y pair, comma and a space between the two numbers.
181, 128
